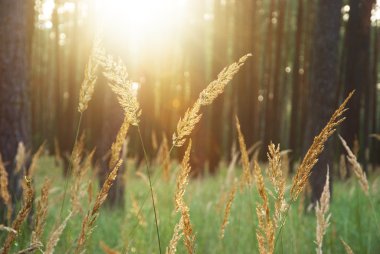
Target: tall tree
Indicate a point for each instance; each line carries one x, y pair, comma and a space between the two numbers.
323, 85
376, 45
357, 69
67, 122
247, 82
196, 41
275, 114
57, 77
219, 51
294, 139
267, 80
16, 24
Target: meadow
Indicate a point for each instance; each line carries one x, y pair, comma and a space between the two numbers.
352, 217
257, 208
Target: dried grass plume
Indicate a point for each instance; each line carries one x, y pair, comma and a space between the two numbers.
322, 214
42, 208
90, 78
246, 178
311, 157
192, 116
116, 73
4, 192
347, 248
227, 210
28, 194
355, 166
265, 233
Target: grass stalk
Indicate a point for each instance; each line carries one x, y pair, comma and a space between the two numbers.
146, 198
151, 188
70, 167
283, 221
374, 214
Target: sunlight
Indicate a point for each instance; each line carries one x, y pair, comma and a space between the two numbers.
141, 21
375, 14
135, 87
45, 10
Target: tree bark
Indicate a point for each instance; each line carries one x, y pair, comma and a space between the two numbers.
323, 86
15, 43
375, 144
268, 79
68, 121
357, 76
57, 77
294, 139
219, 60
246, 83
275, 115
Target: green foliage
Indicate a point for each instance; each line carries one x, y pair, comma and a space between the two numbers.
352, 218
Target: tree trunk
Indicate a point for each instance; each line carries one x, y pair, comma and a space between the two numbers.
357, 74
268, 79
15, 42
219, 59
323, 86
246, 83
57, 77
375, 144
68, 121
275, 115
295, 113
198, 83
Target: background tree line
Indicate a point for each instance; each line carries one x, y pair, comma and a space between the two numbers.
307, 56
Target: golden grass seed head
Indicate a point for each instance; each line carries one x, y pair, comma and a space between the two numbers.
182, 179
56, 235
42, 209
347, 248
311, 157
4, 192
246, 177
322, 214
356, 168
227, 210
118, 144
28, 195
192, 116
20, 156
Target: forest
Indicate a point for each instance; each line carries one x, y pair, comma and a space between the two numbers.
178, 126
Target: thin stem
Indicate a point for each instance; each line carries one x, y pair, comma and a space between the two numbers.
374, 213
151, 188
282, 223
70, 167
144, 201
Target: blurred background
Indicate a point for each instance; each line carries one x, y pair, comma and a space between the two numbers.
307, 56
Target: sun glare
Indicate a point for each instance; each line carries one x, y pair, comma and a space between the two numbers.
135, 87
142, 21
375, 14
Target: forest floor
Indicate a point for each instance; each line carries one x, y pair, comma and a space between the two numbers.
352, 217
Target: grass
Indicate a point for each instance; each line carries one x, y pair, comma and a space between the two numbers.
352, 218
129, 231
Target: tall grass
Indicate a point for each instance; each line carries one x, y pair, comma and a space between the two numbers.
198, 220
203, 197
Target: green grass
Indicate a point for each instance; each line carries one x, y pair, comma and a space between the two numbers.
352, 218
